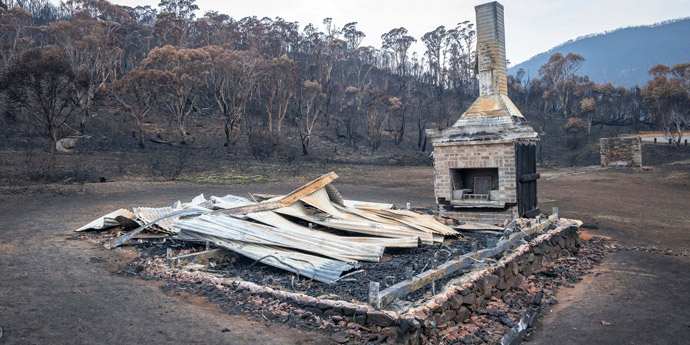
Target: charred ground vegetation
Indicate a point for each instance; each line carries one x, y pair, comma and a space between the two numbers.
173, 91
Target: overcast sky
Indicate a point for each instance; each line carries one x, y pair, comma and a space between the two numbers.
532, 26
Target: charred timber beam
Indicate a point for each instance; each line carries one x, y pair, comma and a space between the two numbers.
199, 256
529, 177
532, 213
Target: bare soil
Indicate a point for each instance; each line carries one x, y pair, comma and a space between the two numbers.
58, 291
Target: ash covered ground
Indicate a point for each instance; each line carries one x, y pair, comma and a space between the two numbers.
353, 287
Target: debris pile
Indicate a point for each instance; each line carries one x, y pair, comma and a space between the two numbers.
312, 231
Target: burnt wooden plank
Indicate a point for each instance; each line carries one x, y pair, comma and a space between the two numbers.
417, 282
308, 188
532, 213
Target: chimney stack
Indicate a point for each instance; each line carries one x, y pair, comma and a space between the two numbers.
491, 49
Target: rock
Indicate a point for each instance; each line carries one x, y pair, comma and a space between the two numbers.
463, 314
333, 314
468, 299
314, 310
506, 321
361, 318
515, 268
501, 285
66, 145
491, 280
349, 310
340, 337
439, 318
406, 324
225, 330
380, 318
324, 306
527, 270
456, 301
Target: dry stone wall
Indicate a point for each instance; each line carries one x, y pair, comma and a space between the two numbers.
458, 301
621, 152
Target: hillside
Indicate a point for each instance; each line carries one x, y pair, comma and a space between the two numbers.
623, 56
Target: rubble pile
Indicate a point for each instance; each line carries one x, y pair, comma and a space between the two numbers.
480, 325
312, 232
313, 260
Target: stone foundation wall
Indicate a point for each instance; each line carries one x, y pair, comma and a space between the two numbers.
471, 292
621, 152
488, 216
458, 301
499, 155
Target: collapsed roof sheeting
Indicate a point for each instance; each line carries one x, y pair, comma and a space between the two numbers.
275, 231
311, 266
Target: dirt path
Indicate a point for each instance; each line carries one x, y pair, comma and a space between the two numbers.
57, 291
643, 295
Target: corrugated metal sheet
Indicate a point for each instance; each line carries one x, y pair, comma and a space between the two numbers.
310, 266
262, 232
245, 231
365, 226
107, 221
150, 214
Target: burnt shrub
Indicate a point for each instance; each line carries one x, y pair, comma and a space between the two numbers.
169, 166
263, 144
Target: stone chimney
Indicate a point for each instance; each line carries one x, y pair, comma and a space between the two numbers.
485, 163
491, 49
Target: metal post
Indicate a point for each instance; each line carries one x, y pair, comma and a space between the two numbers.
374, 298
168, 253
669, 140
207, 246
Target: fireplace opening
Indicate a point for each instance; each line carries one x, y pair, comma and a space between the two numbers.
469, 185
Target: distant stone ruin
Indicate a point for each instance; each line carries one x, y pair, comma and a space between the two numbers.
621, 152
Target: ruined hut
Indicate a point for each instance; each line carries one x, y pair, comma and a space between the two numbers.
485, 164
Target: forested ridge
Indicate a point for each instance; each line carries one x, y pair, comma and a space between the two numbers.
267, 87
